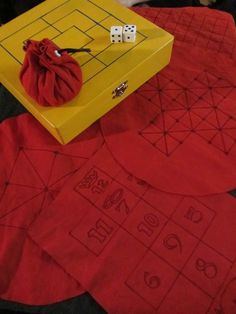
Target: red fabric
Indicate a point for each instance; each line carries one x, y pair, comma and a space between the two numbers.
50, 79
153, 251
33, 170
138, 250
178, 131
157, 252
199, 27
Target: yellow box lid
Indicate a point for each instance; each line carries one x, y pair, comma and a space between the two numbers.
75, 24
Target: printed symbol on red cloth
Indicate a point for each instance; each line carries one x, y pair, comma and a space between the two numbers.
150, 222
193, 216
207, 269
196, 110
115, 198
107, 194
94, 231
118, 202
100, 231
93, 184
145, 223
152, 279
31, 183
172, 241
88, 180
175, 245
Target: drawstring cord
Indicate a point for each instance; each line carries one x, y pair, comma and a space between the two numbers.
59, 51
73, 50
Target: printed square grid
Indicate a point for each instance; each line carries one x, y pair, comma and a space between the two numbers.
183, 250
56, 31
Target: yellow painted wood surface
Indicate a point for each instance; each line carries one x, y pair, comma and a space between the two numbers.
84, 23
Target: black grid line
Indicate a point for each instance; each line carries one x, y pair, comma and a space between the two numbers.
46, 186
200, 240
169, 19
96, 23
201, 109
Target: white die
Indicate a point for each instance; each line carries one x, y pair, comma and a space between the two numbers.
129, 33
116, 34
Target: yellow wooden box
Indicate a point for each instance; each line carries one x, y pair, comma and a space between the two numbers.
84, 23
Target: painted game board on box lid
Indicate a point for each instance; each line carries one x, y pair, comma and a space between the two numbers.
110, 71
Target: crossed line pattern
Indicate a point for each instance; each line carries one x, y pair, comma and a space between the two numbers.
198, 28
27, 194
196, 110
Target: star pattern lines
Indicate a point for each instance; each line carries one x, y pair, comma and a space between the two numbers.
197, 110
35, 178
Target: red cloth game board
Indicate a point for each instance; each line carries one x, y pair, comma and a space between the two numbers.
33, 170
155, 252
198, 27
117, 235
139, 250
178, 131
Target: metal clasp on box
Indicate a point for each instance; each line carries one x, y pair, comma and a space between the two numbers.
119, 91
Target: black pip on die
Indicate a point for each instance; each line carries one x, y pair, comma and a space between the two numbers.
120, 34
116, 34
129, 33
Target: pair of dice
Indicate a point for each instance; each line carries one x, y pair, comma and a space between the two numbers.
119, 34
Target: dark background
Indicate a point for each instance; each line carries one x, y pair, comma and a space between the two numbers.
83, 304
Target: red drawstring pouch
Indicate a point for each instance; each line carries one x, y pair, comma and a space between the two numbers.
49, 74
